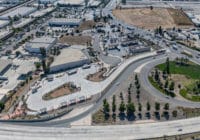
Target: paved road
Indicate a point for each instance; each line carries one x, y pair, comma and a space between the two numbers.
113, 61
112, 132
18, 6
126, 71
157, 94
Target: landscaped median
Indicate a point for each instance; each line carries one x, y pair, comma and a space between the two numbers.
179, 76
63, 90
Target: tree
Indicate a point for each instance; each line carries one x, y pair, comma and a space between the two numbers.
113, 104
129, 98
37, 65
157, 106
121, 96
45, 67
166, 107
148, 106
136, 77
130, 109
138, 91
167, 66
1, 106
160, 30
139, 107
106, 107
17, 53
174, 113
166, 84
43, 51
122, 107
156, 75
171, 86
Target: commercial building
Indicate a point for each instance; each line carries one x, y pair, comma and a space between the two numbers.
36, 44
46, 1
139, 49
21, 11
69, 58
70, 22
4, 66
76, 3
94, 4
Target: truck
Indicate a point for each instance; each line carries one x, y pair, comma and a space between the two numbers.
187, 53
162, 51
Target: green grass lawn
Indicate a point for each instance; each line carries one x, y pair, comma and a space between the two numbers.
184, 93
155, 84
192, 70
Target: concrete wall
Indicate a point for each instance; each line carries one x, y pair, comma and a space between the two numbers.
69, 65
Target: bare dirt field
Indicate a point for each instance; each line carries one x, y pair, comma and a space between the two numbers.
86, 25
61, 91
151, 19
75, 40
98, 76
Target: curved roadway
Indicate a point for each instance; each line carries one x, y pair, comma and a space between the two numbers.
156, 93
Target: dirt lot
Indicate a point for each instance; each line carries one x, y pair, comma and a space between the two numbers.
75, 40
61, 91
98, 76
151, 19
86, 25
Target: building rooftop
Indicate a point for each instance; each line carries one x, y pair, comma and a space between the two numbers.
71, 2
3, 64
69, 55
3, 22
19, 11
45, 39
41, 42
64, 20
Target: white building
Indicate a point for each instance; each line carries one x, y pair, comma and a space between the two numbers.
69, 58
36, 44
4, 66
21, 11
46, 1
58, 22
71, 2
3, 23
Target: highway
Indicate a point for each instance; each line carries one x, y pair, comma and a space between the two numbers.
109, 132
18, 6
58, 130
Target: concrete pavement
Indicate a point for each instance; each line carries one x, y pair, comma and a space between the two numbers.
110, 132
78, 79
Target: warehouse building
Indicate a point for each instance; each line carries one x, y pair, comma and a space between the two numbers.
36, 44
139, 49
59, 22
4, 66
66, 3
21, 11
69, 58
46, 1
